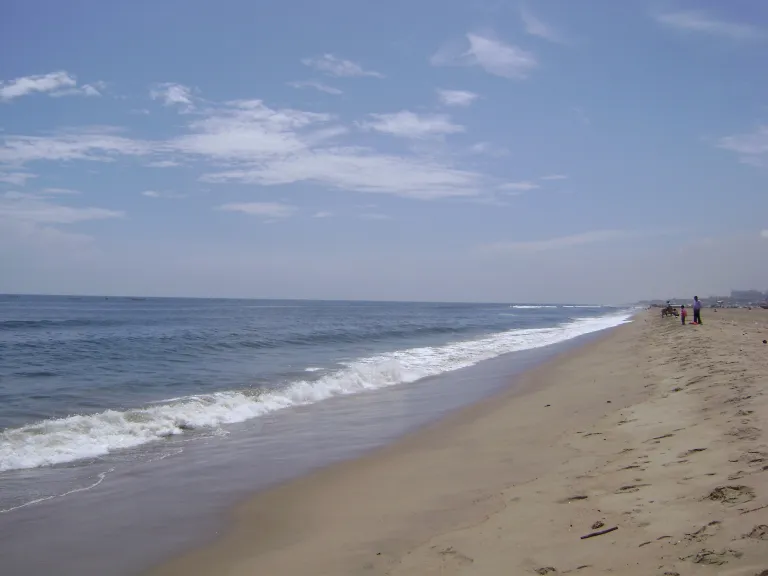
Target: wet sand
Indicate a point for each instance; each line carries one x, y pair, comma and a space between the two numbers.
655, 429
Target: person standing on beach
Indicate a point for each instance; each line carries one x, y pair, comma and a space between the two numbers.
696, 310
683, 314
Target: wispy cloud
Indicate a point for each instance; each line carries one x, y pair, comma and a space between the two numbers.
456, 97
751, 147
92, 89
535, 27
408, 124
696, 21
250, 142
334, 66
15, 178
268, 209
38, 83
488, 149
322, 214
493, 55
555, 177
558, 243
31, 209
171, 94
162, 194
520, 186
317, 86
163, 164
764, 233
88, 144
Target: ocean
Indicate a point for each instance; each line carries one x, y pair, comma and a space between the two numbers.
106, 401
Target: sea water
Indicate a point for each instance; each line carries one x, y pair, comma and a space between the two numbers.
126, 404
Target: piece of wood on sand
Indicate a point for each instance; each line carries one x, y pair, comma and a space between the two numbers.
599, 532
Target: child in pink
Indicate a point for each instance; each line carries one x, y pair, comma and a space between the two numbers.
683, 314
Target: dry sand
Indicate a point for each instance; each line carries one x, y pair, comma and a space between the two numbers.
655, 428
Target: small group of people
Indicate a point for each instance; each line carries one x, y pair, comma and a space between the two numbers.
696, 311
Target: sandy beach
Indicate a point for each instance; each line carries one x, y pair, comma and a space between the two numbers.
654, 429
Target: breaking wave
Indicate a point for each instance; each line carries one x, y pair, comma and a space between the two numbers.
78, 437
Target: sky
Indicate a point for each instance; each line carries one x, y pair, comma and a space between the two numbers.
440, 150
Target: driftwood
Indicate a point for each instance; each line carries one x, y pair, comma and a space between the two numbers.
599, 533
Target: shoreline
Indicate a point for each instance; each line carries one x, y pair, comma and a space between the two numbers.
612, 432
427, 437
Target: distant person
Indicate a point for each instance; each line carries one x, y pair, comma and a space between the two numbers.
683, 313
696, 310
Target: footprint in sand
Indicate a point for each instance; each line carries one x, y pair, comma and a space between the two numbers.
451, 554
572, 498
759, 532
689, 452
731, 494
745, 433
704, 532
657, 439
630, 488
713, 558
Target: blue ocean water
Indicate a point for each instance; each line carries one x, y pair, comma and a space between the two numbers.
160, 414
84, 377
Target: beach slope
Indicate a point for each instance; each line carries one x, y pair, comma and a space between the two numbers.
654, 429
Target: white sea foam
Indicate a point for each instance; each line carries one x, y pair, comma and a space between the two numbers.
87, 436
532, 306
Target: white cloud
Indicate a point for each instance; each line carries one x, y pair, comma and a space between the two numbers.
408, 124
88, 144
488, 149
751, 147
694, 21
163, 164
266, 146
250, 142
269, 209
362, 170
333, 66
520, 186
249, 131
494, 56
16, 178
157, 194
38, 211
764, 233
456, 97
38, 83
322, 214
555, 177
536, 27
317, 86
173, 95
92, 89
558, 243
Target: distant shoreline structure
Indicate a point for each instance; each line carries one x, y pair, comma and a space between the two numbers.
737, 299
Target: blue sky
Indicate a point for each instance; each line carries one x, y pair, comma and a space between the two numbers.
591, 151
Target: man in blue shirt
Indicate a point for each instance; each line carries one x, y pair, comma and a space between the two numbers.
696, 310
